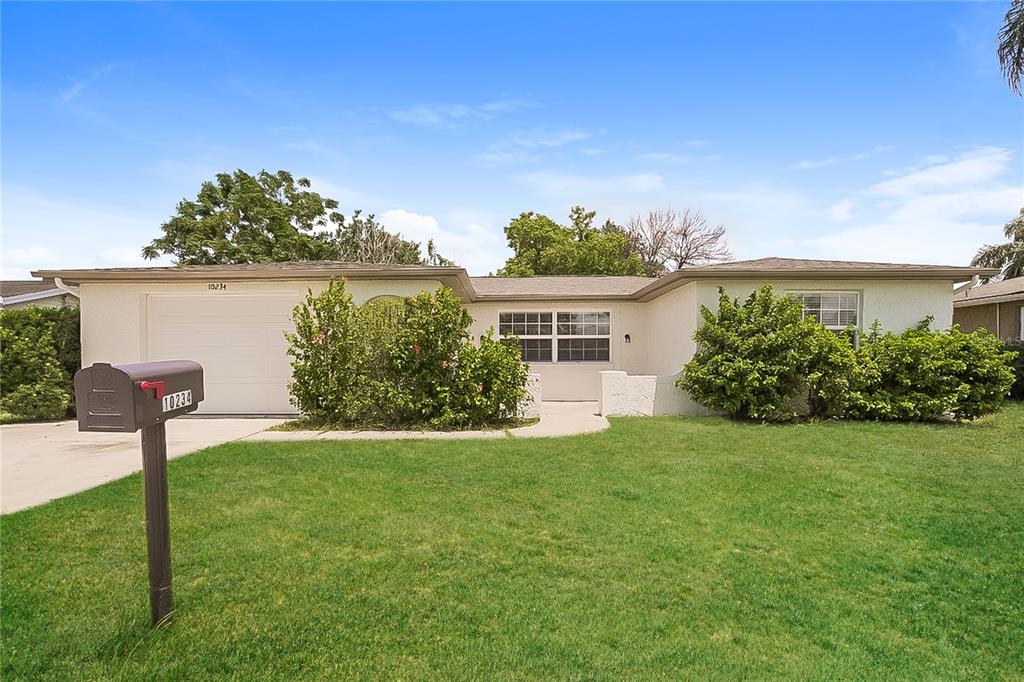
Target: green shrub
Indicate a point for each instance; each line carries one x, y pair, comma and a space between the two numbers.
33, 385
751, 359
755, 360
400, 363
1017, 390
834, 376
326, 350
922, 375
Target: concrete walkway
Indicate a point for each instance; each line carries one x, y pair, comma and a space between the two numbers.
556, 419
44, 461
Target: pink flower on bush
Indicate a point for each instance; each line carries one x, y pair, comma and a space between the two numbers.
479, 388
319, 337
417, 349
444, 363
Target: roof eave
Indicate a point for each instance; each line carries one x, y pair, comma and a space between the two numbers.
31, 296
681, 277
988, 300
499, 298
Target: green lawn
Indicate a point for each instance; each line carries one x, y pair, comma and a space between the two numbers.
663, 548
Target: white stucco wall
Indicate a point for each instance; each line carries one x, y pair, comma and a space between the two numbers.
673, 318
577, 380
896, 304
115, 321
114, 314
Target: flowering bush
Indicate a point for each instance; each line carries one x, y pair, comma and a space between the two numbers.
400, 363
327, 354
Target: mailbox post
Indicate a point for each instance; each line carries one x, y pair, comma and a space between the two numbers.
144, 395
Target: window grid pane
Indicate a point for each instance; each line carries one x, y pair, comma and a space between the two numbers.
535, 350
834, 310
524, 324
584, 324
583, 350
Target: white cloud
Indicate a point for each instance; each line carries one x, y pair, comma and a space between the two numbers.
841, 211
309, 145
593, 151
934, 213
521, 146
973, 167
572, 187
76, 233
71, 92
468, 237
664, 157
128, 257
545, 138
832, 160
450, 115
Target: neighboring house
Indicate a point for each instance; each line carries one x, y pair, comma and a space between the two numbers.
996, 306
34, 293
231, 318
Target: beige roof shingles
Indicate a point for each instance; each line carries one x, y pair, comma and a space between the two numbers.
539, 288
558, 286
993, 292
17, 287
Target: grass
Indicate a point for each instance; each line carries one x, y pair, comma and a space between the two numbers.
303, 424
663, 548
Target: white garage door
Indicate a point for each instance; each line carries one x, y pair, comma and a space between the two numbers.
239, 340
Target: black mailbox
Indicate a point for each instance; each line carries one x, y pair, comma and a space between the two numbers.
129, 397
144, 395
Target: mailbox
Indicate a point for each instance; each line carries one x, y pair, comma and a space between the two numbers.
144, 395
129, 397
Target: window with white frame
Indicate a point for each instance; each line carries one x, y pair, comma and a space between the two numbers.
578, 336
836, 310
534, 332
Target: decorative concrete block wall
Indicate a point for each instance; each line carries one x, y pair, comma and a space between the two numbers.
623, 395
533, 387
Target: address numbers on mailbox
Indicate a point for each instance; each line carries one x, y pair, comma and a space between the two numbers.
173, 401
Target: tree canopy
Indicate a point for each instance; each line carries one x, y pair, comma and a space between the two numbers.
273, 217
1008, 257
1010, 49
544, 247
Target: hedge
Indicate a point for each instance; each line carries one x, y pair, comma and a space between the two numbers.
40, 351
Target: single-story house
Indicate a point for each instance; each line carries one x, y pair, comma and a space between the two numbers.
582, 336
34, 293
996, 306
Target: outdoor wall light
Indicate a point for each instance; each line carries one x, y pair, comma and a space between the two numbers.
627, 338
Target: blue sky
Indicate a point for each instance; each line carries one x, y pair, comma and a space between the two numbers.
868, 131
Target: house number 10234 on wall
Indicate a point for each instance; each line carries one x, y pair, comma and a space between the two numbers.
216, 286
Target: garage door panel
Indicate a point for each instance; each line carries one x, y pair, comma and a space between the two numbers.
239, 340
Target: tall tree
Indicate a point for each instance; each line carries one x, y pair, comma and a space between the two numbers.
543, 247
665, 240
1011, 45
1008, 257
273, 217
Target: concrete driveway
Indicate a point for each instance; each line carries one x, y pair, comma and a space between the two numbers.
40, 462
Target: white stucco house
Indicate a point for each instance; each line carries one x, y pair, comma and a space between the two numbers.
620, 340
